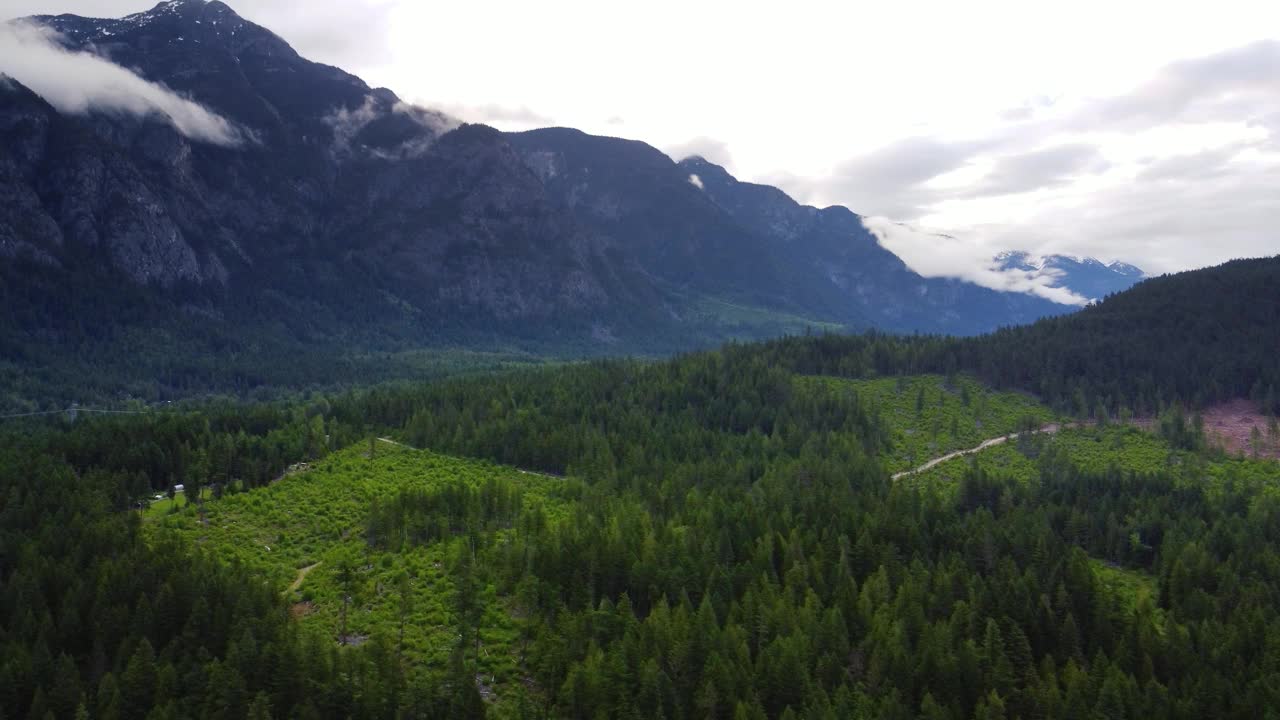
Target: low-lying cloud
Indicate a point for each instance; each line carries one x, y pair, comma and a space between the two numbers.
503, 117
78, 83
348, 123
948, 256
709, 149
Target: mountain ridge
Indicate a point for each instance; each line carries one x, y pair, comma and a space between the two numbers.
345, 220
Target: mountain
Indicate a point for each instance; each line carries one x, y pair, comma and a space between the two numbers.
836, 257
342, 190
331, 219
1089, 278
696, 228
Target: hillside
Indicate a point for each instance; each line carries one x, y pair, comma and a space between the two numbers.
1195, 338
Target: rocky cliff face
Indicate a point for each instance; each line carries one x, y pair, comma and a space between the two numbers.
369, 195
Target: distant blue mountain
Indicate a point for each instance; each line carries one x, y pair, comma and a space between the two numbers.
1087, 277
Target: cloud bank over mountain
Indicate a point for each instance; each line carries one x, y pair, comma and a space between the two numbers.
78, 83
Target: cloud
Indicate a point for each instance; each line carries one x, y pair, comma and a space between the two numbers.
1177, 172
696, 181
1188, 218
936, 255
1237, 84
1203, 165
890, 181
503, 117
351, 35
348, 123
77, 83
1038, 169
709, 149
898, 180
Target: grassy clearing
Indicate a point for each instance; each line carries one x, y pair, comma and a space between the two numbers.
298, 531
929, 416
1138, 591
165, 506
1131, 585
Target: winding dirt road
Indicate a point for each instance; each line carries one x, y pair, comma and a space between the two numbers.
1050, 429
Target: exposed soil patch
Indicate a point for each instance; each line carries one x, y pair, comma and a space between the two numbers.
301, 609
1232, 425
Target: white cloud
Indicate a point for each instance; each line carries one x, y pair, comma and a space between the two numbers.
1175, 172
514, 118
695, 181
77, 83
937, 255
709, 149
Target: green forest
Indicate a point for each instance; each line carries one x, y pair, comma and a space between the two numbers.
719, 535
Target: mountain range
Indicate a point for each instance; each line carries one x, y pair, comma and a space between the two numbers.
1086, 277
330, 214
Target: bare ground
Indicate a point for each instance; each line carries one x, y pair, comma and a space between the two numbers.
1231, 425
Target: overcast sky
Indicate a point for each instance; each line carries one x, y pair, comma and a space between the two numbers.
1140, 131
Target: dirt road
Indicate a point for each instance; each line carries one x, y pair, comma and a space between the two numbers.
1050, 429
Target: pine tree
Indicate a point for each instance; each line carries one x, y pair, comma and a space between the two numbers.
260, 708
138, 683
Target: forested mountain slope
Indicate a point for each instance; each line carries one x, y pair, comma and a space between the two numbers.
1194, 337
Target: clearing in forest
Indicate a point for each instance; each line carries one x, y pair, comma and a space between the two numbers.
929, 416
320, 535
1241, 430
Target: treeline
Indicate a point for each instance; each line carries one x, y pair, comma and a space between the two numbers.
421, 517
228, 445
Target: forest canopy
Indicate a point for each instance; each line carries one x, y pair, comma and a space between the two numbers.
717, 535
